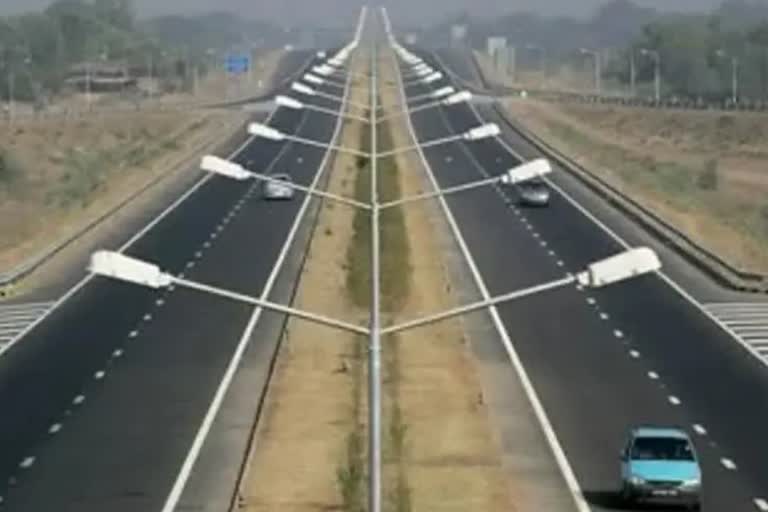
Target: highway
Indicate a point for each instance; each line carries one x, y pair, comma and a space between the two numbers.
603, 360
102, 400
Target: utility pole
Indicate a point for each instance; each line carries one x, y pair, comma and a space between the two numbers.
632, 74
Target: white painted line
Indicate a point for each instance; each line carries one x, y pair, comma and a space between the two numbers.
202, 433
604, 316
213, 235
140, 234
99, 374
591, 301
728, 464
560, 263
181, 275
54, 429
580, 287
171, 287
760, 503
79, 399
618, 333
653, 375
26, 305
674, 400
543, 243
133, 334
612, 234
536, 235
117, 353
541, 415
147, 317
190, 264
634, 354
699, 429
159, 302
27, 462
199, 254
207, 244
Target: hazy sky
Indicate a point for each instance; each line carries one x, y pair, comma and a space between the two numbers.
328, 11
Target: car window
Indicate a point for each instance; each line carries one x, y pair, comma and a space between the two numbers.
661, 448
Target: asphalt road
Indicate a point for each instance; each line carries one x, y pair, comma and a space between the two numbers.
75, 439
605, 360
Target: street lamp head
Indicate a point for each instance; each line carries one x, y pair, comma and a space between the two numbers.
308, 77
434, 77
459, 97
336, 62
267, 132
442, 92
124, 268
288, 102
302, 89
630, 263
482, 132
321, 54
216, 165
527, 171
324, 70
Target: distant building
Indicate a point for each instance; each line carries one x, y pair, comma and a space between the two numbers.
99, 76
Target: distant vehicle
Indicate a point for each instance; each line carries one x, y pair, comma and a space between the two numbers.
277, 190
659, 465
533, 193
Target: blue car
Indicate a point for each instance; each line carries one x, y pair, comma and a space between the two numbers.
659, 465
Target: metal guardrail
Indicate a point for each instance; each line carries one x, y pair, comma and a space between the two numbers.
9, 278
691, 250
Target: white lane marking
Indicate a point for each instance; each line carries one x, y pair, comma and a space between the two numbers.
207, 244
55, 428
604, 316
560, 263
79, 399
748, 321
190, 264
99, 374
674, 400
27, 462
634, 354
147, 317
199, 254
699, 429
117, 353
728, 464
213, 235
543, 243
159, 302
137, 236
15, 319
760, 503
541, 415
133, 334
591, 301
653, 375
612, 234
202, 433
536, 235
618, 333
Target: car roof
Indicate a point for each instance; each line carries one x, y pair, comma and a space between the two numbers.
668, 432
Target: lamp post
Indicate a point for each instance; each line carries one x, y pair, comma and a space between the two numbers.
656, 56
598, 68
734, 74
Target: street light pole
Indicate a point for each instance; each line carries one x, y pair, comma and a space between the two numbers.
656, 56
598, 68
374, 350
734, 74
632, 74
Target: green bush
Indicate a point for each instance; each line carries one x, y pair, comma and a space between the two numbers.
708, 178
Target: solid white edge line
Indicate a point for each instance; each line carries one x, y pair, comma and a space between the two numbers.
761, 504
600, 224
541, 415
194, 452
140, 234
728, 464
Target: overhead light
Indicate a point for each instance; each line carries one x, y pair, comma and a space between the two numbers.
527, 171
625, 265
267, 132
288, 102
483, 132
216, 165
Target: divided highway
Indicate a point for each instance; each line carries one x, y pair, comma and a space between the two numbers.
101, 401
604, 360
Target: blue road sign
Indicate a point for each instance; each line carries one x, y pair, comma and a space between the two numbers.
237, 64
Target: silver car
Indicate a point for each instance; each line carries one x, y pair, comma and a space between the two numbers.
533, 193
277, 190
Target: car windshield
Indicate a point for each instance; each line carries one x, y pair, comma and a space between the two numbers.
661, 448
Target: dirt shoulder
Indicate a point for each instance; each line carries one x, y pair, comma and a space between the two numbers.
58, 175
703, 172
